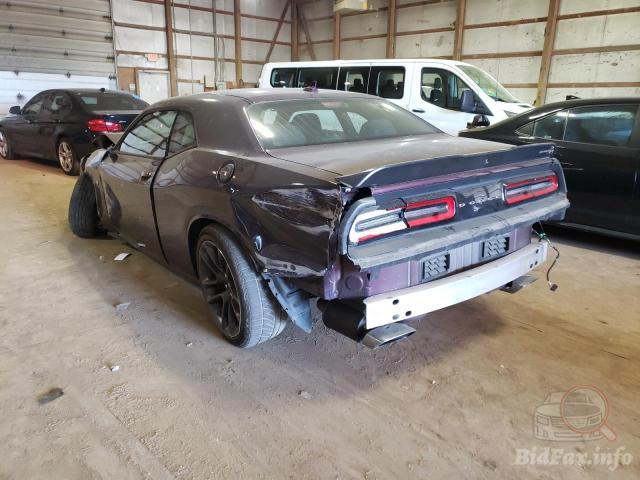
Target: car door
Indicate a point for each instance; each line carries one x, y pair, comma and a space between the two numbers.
25, 130
54, 120
128, 173
439, 100
600, 162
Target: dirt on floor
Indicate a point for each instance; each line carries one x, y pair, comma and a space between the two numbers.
150, 390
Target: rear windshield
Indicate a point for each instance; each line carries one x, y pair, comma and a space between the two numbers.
291, 123
111, 101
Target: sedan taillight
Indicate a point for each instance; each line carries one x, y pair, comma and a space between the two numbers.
377, 223
516, 192
100, 125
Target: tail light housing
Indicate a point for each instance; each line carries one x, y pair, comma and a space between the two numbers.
101, 125
517, 192
377, 223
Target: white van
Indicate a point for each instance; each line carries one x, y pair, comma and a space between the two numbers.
446, 93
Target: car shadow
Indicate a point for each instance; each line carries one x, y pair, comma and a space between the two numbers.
594, 241
167, 313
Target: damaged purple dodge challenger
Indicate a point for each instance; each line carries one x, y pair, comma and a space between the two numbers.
270, 199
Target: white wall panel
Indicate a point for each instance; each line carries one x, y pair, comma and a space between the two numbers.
580, 6
621, 29
438, 15
486, 11
596, 67
425, 45
517, 38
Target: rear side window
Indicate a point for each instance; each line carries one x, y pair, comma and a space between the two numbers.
58, 104
100, 101
319, 77
183, 135
603, 124
551, 127
150, 136
283, 77
354, 79
389, 82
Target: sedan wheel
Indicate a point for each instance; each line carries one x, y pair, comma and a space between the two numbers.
67, 158
240, 302
6, 151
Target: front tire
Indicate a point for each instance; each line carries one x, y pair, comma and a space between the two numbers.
83, 210
67, 157
6, 150
241, 304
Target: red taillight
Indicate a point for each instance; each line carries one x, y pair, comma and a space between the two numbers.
100, 125
430, 211
377, 223
526, 189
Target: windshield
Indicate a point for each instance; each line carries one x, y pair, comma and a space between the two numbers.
488, 84
111, 101
291, 123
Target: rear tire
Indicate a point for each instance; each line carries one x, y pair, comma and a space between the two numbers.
6, 150
67, 157
241, 304
83, 211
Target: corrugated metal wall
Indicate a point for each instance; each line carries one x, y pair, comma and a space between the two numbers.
53, 44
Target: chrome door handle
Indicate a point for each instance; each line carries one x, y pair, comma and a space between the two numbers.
146, 175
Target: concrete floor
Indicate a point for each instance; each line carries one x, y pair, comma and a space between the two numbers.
454, 401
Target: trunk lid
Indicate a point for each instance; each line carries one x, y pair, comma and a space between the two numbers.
395, 160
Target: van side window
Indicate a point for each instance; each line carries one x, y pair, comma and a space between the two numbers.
283, 77
354, 79
321, 77
442, 88
389, 82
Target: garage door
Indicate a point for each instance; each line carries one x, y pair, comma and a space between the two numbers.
53, 44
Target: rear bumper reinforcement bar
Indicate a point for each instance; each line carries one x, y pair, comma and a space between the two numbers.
410, 302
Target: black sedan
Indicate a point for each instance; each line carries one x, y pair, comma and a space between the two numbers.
272, 198
598, 145
62, 124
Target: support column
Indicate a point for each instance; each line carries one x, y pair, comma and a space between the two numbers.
547, 51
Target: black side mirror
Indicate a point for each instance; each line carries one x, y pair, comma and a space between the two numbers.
479, 121
15, 110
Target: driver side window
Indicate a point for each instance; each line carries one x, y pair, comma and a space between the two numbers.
150, 136
34, 106
442, 88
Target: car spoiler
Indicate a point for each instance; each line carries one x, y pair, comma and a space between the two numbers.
461, 165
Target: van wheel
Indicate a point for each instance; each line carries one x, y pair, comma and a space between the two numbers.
241, 304
83, 210
6, 151
67, 157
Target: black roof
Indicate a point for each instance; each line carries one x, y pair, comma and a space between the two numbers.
582, 102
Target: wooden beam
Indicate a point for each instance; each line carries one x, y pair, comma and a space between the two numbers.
547, 51
173, 66
391, 29
305, 29
459, 31
237, 33
295, 35
275, 35
337, 20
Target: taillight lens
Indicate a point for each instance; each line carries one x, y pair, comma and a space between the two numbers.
100, 125
376, 223
516, 192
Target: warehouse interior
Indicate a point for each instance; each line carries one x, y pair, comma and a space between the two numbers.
113, 369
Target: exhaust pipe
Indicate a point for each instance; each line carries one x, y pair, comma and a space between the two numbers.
349, 320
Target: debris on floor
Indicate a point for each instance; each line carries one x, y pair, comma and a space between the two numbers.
304, 394
50, 396
122, 306
121, 256
114, 368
